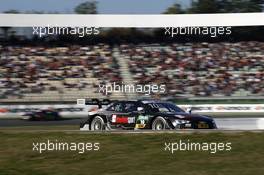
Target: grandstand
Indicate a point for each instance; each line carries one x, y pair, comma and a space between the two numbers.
200, 69
56, 74
34, 73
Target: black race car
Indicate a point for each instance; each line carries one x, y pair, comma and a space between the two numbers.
145, 114
42, 115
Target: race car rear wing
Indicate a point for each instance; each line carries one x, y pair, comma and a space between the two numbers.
98, 102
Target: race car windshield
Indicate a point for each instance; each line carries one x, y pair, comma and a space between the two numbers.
164, 107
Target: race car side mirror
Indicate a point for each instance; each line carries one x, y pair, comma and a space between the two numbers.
189, 110
140, 109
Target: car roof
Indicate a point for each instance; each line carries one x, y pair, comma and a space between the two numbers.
153, 101
148, 101
125, 101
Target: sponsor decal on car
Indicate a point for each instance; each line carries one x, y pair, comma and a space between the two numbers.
122, 119
113, 118
141, 121
140, 126
131, 119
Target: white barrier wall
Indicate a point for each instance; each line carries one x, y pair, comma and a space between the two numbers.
236, 108
76, 111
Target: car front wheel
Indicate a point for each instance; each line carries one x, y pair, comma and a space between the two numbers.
97, 124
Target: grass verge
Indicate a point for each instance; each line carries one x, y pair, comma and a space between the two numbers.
131, 154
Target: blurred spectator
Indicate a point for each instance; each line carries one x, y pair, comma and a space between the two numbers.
190, 69
199, 69
30, 68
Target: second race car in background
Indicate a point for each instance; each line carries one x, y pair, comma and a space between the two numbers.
42, 115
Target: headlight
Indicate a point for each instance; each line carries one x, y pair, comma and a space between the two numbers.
177, 122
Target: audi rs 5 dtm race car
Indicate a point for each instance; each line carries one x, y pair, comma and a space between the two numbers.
145, 114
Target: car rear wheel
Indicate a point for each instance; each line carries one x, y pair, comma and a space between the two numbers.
98, 124
159, 123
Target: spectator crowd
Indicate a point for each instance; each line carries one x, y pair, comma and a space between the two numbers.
34, 70
187, 69
200, 69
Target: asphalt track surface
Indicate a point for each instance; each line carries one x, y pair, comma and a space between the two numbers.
18, 122
222, 123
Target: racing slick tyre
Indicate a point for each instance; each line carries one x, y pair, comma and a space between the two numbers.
159, 123
97, 124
